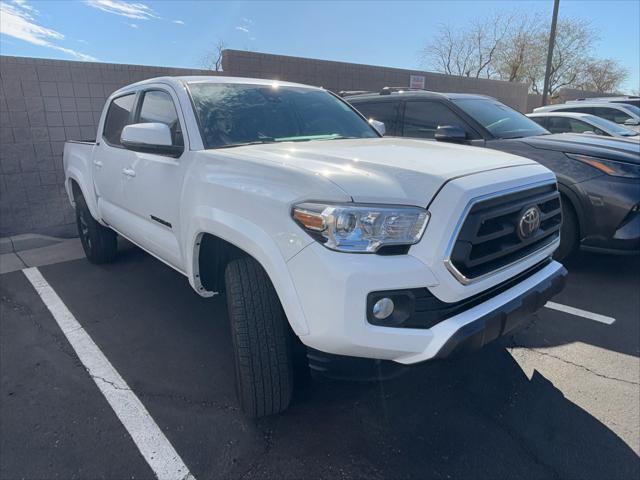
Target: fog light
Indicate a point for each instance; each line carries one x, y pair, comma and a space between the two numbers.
383, 308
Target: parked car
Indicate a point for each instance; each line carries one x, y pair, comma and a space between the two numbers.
598, 177
628, 99
324, 236
621, 113
574, 122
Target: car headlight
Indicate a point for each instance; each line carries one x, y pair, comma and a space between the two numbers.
610, 167
361, 228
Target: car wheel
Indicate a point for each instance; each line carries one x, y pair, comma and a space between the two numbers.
262, 339
100, 243
568, 232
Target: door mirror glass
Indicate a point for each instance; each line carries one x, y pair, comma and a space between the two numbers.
632, 122
450, 133
150, 138
379, 126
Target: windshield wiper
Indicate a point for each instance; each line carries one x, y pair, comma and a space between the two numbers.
244, 144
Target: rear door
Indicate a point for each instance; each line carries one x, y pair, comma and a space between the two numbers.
153, 185
386, 111
423, 117
109, 160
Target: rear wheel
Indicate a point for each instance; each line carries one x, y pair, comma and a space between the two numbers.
568, 232
100, 243
262, 339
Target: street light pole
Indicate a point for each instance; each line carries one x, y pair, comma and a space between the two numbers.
552, 40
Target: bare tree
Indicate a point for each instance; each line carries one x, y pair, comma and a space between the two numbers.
575, 39
468, 53
603, 76
513, 46
213, 60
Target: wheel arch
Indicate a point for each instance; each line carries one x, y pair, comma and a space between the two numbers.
573, 200
213, 242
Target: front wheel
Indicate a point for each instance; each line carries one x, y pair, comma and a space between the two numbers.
262, 339
568, 232
100, 243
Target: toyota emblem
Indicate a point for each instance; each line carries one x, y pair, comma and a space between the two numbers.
529, 222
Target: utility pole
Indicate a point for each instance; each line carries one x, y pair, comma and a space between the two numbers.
552, 40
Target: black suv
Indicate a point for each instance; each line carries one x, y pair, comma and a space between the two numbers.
599, 178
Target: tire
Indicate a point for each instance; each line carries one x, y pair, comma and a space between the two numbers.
262, 340
568, 232
100, 243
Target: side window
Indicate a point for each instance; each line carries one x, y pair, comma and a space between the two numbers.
386, 112
559, 125
117, 117
612, 114
578, 126
422, 118
542, 121
576, 109
157, 107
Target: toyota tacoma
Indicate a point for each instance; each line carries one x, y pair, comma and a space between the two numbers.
326, 238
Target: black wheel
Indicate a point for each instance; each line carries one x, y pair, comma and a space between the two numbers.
568, 232
262, 339
100, 243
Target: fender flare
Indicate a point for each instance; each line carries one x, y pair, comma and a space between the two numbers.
257, 243
574, 200
74, 174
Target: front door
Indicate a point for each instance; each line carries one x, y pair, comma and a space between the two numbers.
153, 183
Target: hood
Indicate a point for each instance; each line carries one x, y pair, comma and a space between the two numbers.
390, 170
603, 147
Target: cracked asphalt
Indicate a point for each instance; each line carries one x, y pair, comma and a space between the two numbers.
560, 399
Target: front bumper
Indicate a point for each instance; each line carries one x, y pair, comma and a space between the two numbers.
506, 319
613, 215
333, 288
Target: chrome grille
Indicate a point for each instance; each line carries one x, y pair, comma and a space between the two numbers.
490, 239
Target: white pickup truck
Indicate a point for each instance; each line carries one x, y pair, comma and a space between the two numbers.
326, 238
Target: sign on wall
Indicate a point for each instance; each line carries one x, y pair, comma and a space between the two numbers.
416, 81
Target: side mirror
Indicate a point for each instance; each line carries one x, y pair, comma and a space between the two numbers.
450, 133
379, 126
631, 122
150, 138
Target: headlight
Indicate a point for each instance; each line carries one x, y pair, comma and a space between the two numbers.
361, 228
610, 167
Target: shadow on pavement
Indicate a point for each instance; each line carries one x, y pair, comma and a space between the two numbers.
604, 284
475, 417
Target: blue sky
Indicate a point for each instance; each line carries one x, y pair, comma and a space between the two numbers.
178, 33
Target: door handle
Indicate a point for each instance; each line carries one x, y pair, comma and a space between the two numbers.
129, 172
97, 163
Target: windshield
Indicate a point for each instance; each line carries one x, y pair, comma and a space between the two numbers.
610, 126
235, 114
632, 108
500, 120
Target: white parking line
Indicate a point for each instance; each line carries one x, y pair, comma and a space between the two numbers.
580, 313
153, 445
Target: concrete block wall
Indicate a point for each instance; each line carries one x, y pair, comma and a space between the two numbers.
337, 76
43, 103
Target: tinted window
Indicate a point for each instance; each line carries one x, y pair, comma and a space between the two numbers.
613, 114
540, 120
158, 107
117, 118
569, 125
500, 120
575, 109
386, 112
236, 114
422, 119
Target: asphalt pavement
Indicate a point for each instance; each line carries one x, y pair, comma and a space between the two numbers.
560, 399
